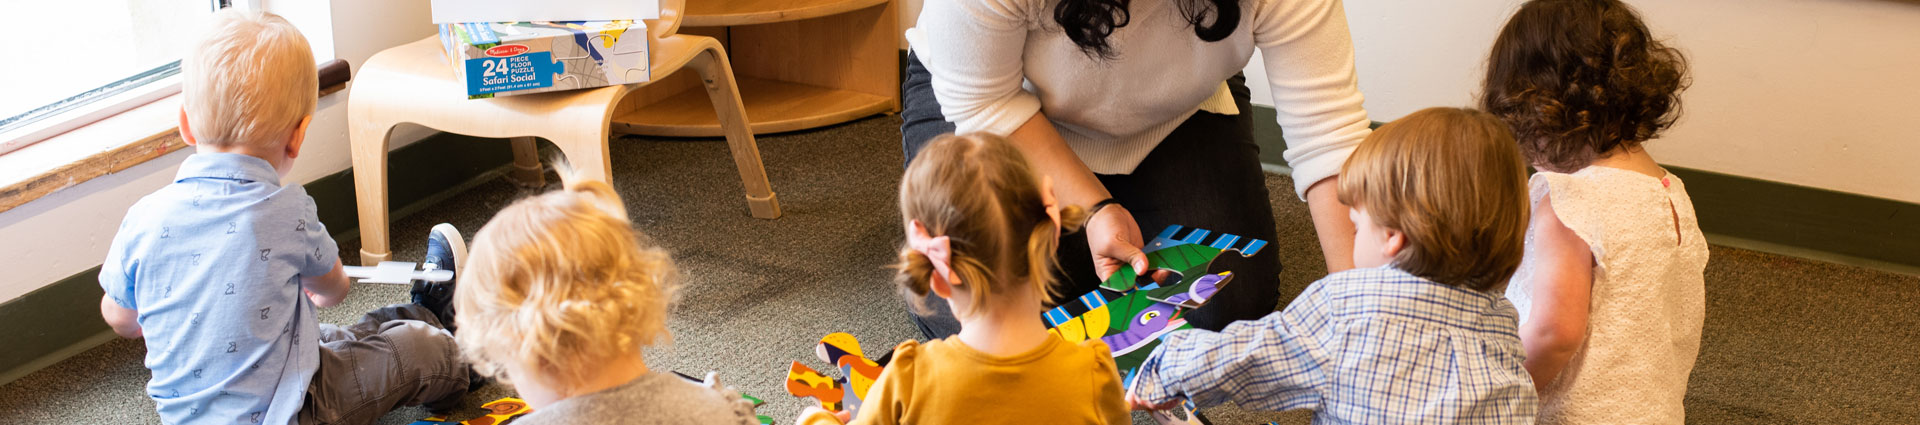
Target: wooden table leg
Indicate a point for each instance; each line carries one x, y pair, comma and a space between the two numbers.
369, 146
526, 163
717, 75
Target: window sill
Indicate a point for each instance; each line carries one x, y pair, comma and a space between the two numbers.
110, 145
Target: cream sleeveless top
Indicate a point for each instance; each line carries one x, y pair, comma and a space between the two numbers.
1649, 296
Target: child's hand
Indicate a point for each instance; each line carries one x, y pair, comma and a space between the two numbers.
1139, 404
814, 410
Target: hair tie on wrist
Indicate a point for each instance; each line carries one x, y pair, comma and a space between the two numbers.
1095, 210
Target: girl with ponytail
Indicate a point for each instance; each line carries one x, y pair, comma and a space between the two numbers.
981, 229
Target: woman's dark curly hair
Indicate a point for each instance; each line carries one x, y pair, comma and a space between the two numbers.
1089, 22
1578, 78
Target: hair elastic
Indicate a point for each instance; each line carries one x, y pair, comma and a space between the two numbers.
1095, 210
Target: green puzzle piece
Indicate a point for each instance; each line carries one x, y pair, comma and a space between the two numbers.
1189, 260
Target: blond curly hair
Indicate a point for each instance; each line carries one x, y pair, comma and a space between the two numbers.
560, 283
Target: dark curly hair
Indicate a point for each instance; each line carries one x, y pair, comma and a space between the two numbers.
1578, 78
1089, 22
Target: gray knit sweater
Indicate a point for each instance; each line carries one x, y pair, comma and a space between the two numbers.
653, 398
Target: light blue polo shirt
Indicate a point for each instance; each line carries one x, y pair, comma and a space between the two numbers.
212, 263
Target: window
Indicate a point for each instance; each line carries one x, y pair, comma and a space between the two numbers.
72, 62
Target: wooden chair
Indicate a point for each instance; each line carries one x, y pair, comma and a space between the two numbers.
412, 83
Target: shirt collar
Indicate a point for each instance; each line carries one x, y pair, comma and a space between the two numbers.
231, 166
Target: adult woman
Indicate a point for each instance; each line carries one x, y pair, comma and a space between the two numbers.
1134, 108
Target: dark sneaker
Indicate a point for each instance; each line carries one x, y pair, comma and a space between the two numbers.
445, 251
445, 248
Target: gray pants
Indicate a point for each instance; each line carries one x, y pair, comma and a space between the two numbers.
398, 355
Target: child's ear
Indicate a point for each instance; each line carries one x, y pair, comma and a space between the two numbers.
1390, 248
298, 137
186, 132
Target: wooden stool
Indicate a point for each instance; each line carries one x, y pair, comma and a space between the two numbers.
413, 83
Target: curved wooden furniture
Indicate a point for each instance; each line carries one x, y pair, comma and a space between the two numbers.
801, 64
726, 13
412, 83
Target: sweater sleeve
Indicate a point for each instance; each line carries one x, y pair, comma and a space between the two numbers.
973, 50
1308, 54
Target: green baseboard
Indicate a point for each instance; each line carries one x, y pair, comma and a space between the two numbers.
65, 315
1806, 221
1762, 215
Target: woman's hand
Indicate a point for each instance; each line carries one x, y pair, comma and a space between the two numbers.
1114, 238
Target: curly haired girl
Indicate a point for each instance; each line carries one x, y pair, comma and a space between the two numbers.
560, 294
1611, 291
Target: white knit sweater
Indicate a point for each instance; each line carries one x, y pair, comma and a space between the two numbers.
997, 62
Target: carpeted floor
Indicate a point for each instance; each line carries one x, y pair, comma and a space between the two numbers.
1787, 340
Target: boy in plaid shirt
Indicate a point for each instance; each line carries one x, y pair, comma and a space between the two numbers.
1420, 332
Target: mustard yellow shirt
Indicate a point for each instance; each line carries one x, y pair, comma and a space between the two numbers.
945, 381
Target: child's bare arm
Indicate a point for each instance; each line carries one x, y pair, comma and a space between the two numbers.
329, 289
124, 321
1562, 291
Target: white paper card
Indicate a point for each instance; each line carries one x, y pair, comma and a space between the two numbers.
464, 11
396, 272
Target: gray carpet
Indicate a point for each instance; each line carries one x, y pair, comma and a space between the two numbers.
1787, 340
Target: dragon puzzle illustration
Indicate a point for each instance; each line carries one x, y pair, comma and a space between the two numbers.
1130, 317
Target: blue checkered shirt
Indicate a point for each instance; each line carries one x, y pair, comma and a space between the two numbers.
1361, 346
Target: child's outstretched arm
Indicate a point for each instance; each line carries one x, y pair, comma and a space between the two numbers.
1562, 292
1259, 364
329, 289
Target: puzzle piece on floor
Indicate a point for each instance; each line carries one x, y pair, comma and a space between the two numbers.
499, 412
843, 351
1185, 255
396, 272
435, 420
803, 382
1132, 321
858, 373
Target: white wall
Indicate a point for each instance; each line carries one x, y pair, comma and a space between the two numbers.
1815, 93
68, 232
